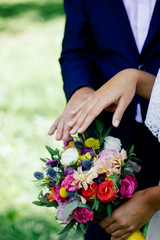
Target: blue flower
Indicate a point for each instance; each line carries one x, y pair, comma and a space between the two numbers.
51, 172
38, 175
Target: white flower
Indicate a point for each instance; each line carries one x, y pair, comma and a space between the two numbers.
112, 143
69, 157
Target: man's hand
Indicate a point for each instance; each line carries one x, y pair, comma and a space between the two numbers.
130, 216
61, 123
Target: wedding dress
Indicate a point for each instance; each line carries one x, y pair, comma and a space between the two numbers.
153, 123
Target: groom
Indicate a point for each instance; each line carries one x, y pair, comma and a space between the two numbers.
102, 38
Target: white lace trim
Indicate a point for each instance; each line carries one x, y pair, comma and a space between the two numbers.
153, 114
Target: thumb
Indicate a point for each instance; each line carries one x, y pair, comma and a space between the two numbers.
118, 114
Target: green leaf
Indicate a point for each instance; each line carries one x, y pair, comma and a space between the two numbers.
43, 200
52, 204
131, 149
96, 204
68, 227
69, 209
109, 209
40, 194
79, 233
43, 160
38, 203
107, 132
82, 227
81, 205
99, 126
145, 229
128, 172
63, 236
50, 150
136, 159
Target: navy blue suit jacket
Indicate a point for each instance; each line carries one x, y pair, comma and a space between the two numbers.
98, 43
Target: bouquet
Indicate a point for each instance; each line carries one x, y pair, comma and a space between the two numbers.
87, 180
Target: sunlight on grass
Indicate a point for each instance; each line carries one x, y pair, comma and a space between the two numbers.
31, 97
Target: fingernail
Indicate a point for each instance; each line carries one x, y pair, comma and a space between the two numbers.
79, 130
116, 123
70, 123
58, 136
72, 131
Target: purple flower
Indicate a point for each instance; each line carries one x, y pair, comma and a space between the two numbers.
60, 209
100, 178
69, 170
67, 142
80, 164
45, 195
52, 163
137, 167
86, 150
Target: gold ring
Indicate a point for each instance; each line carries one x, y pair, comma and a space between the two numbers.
86, 103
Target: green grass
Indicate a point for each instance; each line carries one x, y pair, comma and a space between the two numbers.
31, 97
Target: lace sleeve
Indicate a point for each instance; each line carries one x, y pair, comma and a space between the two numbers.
152, 120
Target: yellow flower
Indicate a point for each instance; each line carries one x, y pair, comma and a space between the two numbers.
136, 236
108, 178
63, 192
85, 157
70, 145
92, 143
47, 179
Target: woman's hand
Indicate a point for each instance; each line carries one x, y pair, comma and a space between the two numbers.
115, 95
131, 215
61, 123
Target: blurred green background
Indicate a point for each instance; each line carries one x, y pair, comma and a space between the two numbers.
31, 97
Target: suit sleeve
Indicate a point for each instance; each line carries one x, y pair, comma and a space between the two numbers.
77, 54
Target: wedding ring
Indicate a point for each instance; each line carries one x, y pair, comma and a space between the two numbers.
86, 103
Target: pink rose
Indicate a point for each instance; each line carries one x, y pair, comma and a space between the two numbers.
83, 215
107, 154
128, 186
60, 209
68, 183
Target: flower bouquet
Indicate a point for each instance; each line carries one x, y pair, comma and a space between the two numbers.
87, 180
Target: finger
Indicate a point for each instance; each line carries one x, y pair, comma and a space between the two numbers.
78, 121
60, 128
112, 228
106, 222
124, 237
76, 117
53, 127
117, 116
92, 114
77, 108
80, 117
66, 131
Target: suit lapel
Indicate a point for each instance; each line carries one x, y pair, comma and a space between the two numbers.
154, 25
123, 21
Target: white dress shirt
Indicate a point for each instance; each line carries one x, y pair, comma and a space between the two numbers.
139, 13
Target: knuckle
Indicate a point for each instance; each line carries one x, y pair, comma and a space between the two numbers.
91, 115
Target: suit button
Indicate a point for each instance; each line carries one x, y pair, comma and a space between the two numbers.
141, 67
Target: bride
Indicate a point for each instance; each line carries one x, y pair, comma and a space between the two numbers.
115, 96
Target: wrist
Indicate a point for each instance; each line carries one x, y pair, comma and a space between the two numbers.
152, 196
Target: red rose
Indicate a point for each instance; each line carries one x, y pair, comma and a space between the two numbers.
106, 192
90, 192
